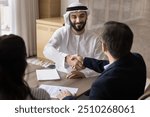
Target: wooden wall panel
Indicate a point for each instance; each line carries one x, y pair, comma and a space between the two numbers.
49, 8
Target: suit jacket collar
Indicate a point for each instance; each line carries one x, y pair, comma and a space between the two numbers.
120, 61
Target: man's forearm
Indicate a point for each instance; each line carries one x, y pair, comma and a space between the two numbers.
53, 54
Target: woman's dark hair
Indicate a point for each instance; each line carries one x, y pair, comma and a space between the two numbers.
118, 38
12, 68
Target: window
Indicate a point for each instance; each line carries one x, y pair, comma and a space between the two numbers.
5, 17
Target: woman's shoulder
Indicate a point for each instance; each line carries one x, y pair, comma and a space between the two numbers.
39, 94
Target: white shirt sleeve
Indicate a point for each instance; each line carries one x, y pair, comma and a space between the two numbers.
53, 54
51, 50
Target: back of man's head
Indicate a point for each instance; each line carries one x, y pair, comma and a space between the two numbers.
118, 38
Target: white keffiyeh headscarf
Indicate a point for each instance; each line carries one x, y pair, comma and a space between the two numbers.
74, 7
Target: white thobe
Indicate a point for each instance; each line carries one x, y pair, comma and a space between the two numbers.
64, 42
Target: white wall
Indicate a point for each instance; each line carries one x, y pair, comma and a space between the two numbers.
64, 4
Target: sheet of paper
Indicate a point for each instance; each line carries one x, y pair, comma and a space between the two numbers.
54, 90
47, 74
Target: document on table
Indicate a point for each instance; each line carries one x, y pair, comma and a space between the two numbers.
54, 90
47, 74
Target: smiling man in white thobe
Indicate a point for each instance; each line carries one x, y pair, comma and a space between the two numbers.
73, 39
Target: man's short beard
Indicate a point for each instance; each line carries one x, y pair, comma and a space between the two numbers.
80, 28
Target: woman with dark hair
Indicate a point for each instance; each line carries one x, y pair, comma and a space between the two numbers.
12, 68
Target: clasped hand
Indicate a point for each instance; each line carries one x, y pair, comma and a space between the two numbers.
76, 62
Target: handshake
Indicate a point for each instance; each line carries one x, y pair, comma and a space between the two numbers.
76, 62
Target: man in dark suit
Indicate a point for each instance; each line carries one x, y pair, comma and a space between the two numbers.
123, 76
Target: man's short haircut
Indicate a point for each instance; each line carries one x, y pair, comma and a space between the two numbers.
118, 38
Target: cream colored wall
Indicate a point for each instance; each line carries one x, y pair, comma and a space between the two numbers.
146, 12
119, 10
64, 4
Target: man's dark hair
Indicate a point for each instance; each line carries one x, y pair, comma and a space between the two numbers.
118, 38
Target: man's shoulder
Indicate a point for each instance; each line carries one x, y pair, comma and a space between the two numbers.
62, 29
137, 55
91, 33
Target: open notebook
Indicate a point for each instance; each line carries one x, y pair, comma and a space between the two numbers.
54, 90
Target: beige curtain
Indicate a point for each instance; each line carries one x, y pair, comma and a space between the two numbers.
2, 3
23, 17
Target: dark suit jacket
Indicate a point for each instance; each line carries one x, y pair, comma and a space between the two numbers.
122, 80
